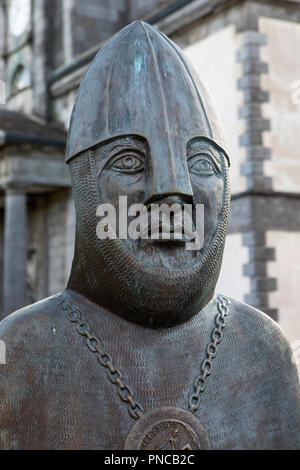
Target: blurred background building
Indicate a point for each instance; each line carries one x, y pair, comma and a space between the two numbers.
246, 52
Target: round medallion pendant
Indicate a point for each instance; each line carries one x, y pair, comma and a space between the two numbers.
167, 429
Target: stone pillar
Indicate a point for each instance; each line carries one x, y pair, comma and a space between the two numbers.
2, 42
15, 250
40, 58
68, 6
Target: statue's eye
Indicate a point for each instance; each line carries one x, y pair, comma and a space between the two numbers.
201, 166
128, 164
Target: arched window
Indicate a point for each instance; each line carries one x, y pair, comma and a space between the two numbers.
21, 79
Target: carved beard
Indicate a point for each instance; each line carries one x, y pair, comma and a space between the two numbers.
108, 274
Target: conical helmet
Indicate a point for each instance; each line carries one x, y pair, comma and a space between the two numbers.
140, 83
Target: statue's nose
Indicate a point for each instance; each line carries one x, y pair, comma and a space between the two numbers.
170, 199
169, 179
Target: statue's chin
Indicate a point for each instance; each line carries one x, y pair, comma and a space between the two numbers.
167, 254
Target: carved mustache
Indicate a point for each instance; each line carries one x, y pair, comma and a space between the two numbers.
163, 230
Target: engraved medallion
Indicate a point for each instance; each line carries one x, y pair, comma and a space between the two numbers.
167, 428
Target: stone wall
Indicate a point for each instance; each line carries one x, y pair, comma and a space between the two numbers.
60, 237
93, 21
56, 51
280, 53
37, 249
140, 8
50, 243
40, 60
232, 280
285, 268
2, 40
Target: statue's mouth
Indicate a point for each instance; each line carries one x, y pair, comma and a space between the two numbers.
164, 237
163, 233
164, 253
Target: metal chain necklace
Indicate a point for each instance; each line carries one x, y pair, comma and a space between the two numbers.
167, 428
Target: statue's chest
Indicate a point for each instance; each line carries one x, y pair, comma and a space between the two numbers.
109, 387
90, 406
102, 401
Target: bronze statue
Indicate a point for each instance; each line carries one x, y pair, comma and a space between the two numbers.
138, 352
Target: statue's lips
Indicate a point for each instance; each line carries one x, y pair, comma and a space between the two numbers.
164, 232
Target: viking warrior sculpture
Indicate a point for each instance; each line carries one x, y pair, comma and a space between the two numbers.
139, 352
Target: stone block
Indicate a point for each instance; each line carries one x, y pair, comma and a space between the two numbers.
254, 38
260, 183
249, 81
255, 269
255, 66
251, 138
256, 95
254, 238
247, 53
257, 152
263, 284
261, 253
252, 168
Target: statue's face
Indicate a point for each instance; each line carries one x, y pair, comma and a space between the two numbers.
124, 168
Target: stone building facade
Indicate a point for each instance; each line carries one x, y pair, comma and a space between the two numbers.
246, 52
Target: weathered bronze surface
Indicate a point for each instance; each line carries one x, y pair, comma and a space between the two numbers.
143, 127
